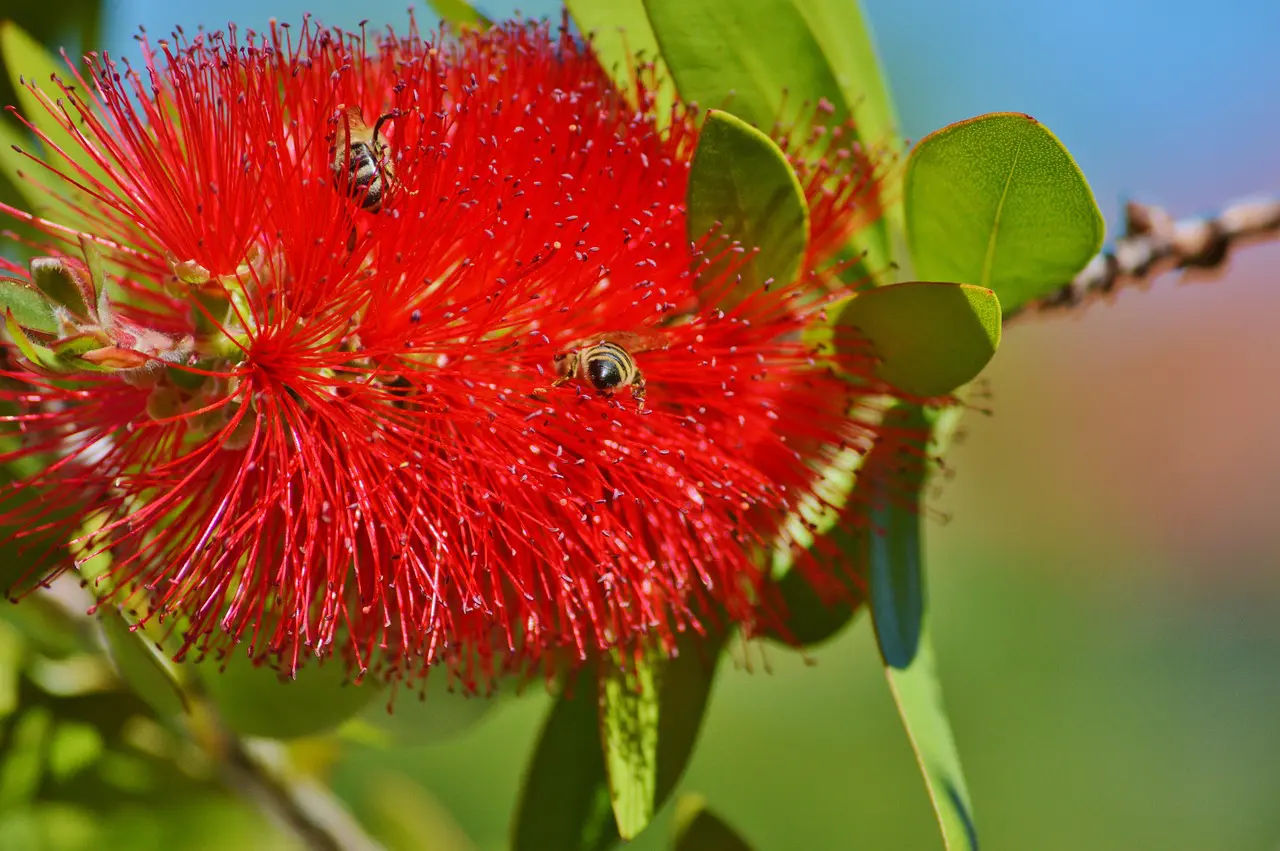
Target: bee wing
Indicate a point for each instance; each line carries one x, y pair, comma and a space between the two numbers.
351, 129
633, 341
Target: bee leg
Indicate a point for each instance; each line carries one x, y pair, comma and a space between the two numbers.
351, 240
637, 392
561, 381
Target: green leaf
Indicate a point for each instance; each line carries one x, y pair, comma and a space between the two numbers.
35, 353
253, 699
930, 338
460, 13
629, 728
30, 308
64, 284
699, 829
430, 716
564, 801
841, 29
140, 667
900, 617
620, 32
748, 57
24, 57
24, 758
842, 32
742, 187
997, 201
75, 746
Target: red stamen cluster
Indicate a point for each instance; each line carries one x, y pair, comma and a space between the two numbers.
366, 449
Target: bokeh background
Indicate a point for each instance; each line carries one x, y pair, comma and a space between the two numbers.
1107, 589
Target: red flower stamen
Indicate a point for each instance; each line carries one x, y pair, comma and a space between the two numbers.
371, 449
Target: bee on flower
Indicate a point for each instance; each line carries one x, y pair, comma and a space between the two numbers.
372, 452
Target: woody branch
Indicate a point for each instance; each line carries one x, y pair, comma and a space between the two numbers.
1154, 243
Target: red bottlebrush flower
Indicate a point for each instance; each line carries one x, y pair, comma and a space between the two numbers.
439, 393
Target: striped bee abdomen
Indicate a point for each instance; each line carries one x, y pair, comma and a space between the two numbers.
609, 366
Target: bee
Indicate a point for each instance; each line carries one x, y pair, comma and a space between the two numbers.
607, 361
360, 163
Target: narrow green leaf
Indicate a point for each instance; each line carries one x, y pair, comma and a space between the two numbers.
101, 311
460, 13
69, 349
699, 829
30, 308
629, 729
900, 616
930, 338
742, 188
918, 695
841, 30
255, 701
24, 57
139, 666
564, 801
749, 58
620, 34
997, 201
35, 353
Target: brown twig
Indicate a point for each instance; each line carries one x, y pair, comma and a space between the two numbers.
1154, 243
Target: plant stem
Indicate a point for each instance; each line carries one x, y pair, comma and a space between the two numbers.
303, 807
1154, 243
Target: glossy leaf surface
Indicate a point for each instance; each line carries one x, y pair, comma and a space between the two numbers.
900, 616
742, 189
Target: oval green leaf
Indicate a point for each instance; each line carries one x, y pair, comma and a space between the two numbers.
253, 699
140, 668
432, 715
930, 337
997, 201
900, 617
620, 34
564, 799
699, 829
742, 188
30, 308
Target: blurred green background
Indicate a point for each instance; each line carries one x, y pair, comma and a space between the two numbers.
1108, 586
